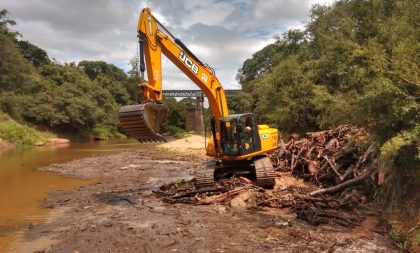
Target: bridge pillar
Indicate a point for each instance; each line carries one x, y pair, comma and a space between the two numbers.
195, 119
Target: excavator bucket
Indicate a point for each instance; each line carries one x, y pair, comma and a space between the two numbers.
144, 121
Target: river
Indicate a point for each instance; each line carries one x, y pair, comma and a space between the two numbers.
22, 188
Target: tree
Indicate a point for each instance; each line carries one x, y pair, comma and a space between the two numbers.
5, 23
34, 54
95, 68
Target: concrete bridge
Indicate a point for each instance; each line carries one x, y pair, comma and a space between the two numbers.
194, 118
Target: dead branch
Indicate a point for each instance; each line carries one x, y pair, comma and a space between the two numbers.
333, 168
342, 186
203, 190
220, 197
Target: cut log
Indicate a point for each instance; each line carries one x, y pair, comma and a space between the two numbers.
342, 186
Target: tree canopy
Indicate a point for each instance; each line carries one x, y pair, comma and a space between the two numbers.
63, 97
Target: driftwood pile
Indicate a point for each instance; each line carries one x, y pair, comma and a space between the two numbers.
186, 191
337, 158
334, 163
340, 209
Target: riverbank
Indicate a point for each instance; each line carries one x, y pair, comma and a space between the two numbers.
14, 134
122, 214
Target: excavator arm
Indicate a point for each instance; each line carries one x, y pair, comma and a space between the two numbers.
144, 121
156, 40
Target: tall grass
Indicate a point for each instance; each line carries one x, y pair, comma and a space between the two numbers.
14, 132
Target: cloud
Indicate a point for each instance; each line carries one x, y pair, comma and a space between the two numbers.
220, 32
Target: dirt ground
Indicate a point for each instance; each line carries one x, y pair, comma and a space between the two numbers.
120, 213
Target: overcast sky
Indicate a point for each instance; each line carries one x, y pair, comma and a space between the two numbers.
222, 33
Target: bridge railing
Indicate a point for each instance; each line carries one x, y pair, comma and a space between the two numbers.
195, 93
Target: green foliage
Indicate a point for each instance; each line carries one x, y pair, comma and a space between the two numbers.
115, 88
175, 131
356, 62
37, 56
398, 238
181, 182
5, 23
95, 68
417, 236
63, 97
101, 131
400, 163
393, 147
134, 80
176, 115
175, 121
20, 134
16, 73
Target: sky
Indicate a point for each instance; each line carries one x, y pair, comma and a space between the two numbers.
222, 33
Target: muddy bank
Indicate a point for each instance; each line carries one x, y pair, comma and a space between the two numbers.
4, 145
122, 214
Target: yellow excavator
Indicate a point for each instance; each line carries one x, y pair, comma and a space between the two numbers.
237, 144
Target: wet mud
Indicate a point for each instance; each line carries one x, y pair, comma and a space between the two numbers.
121, 213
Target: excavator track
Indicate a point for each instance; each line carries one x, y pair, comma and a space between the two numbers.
143, 121
264, 172
211, 170
204, 176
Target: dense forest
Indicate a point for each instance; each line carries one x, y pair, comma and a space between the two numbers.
356, 62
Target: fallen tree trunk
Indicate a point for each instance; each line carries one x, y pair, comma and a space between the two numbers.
342, 186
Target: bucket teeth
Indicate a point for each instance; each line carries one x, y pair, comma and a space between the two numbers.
143, 121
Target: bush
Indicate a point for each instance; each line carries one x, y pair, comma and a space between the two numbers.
400, 163
101, 132
19, 134
175, 131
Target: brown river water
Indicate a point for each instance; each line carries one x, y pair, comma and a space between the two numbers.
22, 188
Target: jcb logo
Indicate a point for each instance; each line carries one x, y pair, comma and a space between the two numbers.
190, 64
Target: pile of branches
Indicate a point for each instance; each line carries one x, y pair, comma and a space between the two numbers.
186, 191
336, 159
333, 161
322, 209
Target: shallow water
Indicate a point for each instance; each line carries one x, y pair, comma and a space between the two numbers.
22, 188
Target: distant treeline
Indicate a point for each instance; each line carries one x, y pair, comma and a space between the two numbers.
63, 97
357, 62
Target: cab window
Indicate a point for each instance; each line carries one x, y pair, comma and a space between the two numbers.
229, 132
247, 133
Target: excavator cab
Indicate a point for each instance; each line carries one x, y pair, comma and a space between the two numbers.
239, 135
